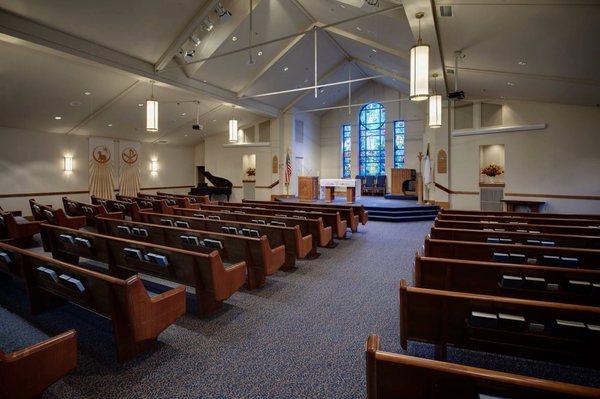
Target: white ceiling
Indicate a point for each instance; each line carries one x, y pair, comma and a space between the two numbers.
113, 47
558, 40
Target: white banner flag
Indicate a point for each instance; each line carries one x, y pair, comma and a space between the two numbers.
129, 160
102, 167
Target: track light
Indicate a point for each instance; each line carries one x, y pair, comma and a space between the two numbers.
207, 24
419, 67
195, 40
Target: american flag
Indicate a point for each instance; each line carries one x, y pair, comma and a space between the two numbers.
288, 169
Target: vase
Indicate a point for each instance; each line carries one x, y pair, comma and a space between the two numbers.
492, 179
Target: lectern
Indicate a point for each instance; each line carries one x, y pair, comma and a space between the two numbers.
308, 188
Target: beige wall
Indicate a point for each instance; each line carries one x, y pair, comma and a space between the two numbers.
32, 162
561, 159
331, 122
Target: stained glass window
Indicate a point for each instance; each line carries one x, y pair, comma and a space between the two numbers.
399, 137
371, 143
346, 150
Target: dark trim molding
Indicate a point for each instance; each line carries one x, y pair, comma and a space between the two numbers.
48, 194
561, 196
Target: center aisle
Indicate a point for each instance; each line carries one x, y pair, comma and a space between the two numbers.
302, 335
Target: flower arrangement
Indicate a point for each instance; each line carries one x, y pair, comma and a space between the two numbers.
492, 170
251, 172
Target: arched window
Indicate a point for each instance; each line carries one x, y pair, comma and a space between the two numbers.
371, 140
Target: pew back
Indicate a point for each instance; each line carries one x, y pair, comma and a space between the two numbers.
524, 221
392, 375
260, 259
582, 258
531, 228
548, 331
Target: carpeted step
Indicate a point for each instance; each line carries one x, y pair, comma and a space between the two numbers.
401, 219
403, 208
407, 213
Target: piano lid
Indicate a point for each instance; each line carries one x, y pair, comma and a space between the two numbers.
215, 180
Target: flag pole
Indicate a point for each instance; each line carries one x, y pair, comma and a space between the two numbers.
420, 181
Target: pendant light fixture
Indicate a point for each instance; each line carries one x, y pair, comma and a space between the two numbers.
435, 106
152, 112
233, 127
419, 67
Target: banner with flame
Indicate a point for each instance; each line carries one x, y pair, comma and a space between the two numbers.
129, 180
102, 167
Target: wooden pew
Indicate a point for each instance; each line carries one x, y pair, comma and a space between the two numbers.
347, 213
296, 246
513, 237
544, 283
17, 228
392, 375
212, 281
321, 235
359, 209
160, 206
548, 331
532, 228
581, 258
120, 206
181, 202
523, 214
57, 217
137, 318
90, 211
200, 199
261, 260
522, 220
28, 372
330, 219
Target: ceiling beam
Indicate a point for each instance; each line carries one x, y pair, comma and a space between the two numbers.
221, 33
272, 62
192, 25
18, 30
366, 41
383, 71
324, 76
104, 107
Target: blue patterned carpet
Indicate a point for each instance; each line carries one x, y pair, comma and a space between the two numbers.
301, 336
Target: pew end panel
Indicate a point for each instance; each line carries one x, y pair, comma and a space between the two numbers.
391, 375
28, 372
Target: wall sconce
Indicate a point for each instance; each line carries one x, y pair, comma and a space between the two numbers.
68, 163
154, 167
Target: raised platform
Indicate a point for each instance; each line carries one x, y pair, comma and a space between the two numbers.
390, 210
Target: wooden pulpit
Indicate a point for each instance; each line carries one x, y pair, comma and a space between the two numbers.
308, 188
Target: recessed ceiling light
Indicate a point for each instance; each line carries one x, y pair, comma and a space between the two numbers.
58, 117
510, 84
87, 93
502, 97
140, 104
259, 53
234, 38
75, 103
109, 124
183, 114
203, 80
322, 91
358, 28
285, 69
186, 135
342, 6
214, 120
373, 50
522, 63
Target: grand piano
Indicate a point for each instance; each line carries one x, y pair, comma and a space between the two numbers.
220, 185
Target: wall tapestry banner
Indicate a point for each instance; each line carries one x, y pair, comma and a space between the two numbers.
129, 161
102, 167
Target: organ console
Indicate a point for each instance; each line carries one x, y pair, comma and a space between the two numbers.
220, 185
